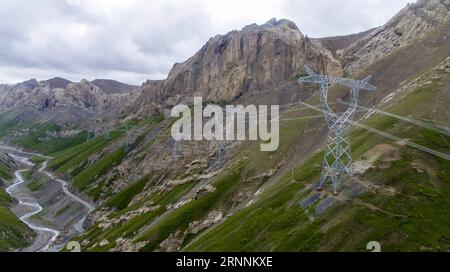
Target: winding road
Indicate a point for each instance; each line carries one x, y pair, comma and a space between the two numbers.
29, 202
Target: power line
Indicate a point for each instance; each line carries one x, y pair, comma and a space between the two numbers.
407, 119
393, 137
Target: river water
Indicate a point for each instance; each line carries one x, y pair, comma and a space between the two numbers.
29, 205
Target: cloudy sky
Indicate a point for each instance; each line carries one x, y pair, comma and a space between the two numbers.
136, 40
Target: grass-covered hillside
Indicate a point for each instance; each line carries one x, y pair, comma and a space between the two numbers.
151, 196
265, 201
404, 200
14, 234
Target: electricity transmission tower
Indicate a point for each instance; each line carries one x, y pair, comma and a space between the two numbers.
337, 154
106, 131
222, 146
97, 132
176, 148
131, 135
46, 138
101, 128
177, 151
221, 149
90, 136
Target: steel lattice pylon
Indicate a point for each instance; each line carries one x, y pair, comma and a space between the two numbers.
90, 136
177, 151
222, 146
337, 152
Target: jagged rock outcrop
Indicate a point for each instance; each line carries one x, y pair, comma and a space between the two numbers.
9, 162
57, 82
111, 86
336, 43
59, 100
415, 21
150, 99
258, 57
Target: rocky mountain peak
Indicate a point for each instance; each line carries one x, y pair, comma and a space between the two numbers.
62, 101
413, 22
430, 12
282, 24
29, 84
57, 82
256, 58
85, 82
111, 86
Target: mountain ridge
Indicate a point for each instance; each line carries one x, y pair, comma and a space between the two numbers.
229, 66
64, 102
151, 199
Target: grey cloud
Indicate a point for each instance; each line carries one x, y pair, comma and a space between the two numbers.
132, 43
329, 18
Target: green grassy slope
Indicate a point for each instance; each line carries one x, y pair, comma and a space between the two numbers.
4, 172
194, 210
414, 216
276, 222
227, 186
13, 233
129, 228
31, 140
407, 211
70, 160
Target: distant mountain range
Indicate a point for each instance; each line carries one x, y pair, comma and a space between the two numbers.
62, 101
151, 199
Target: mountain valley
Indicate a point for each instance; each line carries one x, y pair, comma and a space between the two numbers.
111, 142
